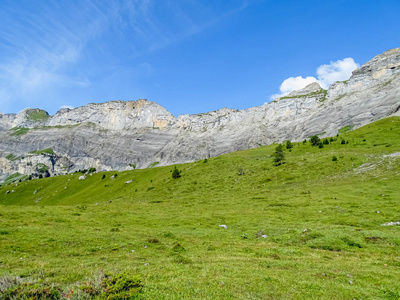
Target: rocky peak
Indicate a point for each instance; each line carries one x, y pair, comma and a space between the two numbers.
381, 65
312, 88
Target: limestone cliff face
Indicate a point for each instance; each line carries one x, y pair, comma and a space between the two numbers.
117, 135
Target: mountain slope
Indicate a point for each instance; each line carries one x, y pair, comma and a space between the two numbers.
322, 221
118, 135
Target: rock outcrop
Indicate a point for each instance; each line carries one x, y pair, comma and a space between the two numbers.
119, 135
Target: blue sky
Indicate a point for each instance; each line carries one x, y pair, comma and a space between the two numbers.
190, 56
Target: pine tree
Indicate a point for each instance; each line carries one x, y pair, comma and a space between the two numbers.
278, 155
175, 173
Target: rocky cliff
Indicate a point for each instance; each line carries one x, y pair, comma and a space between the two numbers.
122, 135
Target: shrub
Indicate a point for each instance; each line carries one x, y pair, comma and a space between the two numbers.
104, 176
331, 139
320, 145
326, 142
121, 286
91, 170
343, 142
32, 291
175, 173
334, 158
205, 160
314, 140
289, 145
305, 141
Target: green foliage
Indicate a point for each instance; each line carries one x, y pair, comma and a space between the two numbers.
16, 131
334, 158
345, 129
304, 142
313, 94
176, 173
37, 115
133, 166
278, 156
42, 168
153, 164
104, 176
13, 177
31, 291
343, 142
289, 145
47, 150
121, 286
305, 207
314, 140
321, 145
12, 157
326, 142
92, 170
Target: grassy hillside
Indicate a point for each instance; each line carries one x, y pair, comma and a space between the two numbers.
322, 220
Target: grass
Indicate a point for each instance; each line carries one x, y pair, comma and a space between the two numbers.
152, 165
322, 219
307, 95
13, 178
19, 131
37, 115
12, 157
47, 151
345, 129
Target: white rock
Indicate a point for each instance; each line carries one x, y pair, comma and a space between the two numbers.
223, 226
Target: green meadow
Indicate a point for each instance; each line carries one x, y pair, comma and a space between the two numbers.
310, 228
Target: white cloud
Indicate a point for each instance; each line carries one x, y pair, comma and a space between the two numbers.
327, 74
336, 71
292, 84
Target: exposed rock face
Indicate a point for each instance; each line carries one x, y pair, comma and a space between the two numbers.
116, 135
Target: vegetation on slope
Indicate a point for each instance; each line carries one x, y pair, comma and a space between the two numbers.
310, 227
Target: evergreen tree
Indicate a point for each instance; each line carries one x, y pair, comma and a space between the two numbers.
289, 145
314, 140
278, 155
175, 173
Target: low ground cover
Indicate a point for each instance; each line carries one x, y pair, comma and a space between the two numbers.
310, 227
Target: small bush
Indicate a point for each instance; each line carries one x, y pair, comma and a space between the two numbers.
32, 291
334, 158
240, 171
343, 142
153, 241
175, 173
104, 176
326, 142
121, 286
205, 161
314, 140
320, 145
92, 170
289, 145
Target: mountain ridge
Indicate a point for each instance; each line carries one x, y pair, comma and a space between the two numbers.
117, 135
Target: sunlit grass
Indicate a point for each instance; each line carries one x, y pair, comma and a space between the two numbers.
322, 219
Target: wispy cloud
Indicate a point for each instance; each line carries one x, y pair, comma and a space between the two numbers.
46, 46
326, 75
